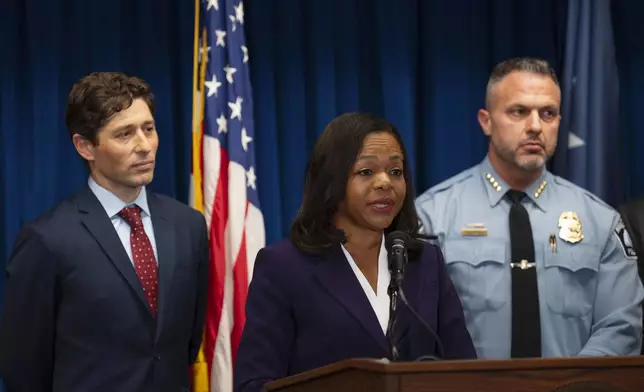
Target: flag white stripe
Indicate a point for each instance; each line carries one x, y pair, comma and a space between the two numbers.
255, 236
212, 164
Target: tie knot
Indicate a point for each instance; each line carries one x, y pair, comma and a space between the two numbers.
515, 196
132, 215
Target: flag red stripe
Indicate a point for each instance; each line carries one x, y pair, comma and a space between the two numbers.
218, 260
240, 279
201, 158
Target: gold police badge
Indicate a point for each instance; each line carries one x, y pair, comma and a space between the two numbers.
570, 227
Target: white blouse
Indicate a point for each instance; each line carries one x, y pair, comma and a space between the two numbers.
379, 300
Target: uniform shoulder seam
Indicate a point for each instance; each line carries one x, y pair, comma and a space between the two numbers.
448, 183
577, 189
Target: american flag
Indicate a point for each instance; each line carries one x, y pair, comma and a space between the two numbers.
224, 185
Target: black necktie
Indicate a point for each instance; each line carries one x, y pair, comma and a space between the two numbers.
526, 322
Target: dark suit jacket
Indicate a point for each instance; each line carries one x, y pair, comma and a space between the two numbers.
75, 317
303, 312
632, 214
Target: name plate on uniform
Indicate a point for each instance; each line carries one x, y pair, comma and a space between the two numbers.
474, 230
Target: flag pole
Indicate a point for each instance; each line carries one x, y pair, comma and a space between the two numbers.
195, 65
197, 118
200, 369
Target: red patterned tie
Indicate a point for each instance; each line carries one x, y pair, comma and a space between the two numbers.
144, 261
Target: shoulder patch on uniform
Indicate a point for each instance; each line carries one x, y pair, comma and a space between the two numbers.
625, 241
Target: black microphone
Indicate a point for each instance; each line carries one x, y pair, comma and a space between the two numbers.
397, 243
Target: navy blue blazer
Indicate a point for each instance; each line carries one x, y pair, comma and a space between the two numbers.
306, 311
75, 316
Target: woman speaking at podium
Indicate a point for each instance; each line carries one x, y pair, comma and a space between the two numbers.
321, 296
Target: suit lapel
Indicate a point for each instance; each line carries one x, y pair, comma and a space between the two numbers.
100, 227
411, 286
336, 275
165, 242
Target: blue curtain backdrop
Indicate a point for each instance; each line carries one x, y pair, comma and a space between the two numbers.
423, 64
590, 133
47, 45
629, 47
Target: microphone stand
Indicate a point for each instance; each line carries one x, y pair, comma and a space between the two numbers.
391, 326
397, 260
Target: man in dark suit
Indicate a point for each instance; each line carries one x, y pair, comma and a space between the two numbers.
631, 233
107, 291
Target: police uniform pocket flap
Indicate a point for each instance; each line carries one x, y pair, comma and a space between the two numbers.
574, 257
475, 251
477, 269
570, 276
491, 251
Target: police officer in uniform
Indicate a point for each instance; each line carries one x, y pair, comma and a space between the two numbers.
537, 261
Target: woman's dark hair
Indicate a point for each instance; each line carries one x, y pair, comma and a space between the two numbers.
327, 175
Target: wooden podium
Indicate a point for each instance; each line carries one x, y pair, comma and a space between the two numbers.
609, 374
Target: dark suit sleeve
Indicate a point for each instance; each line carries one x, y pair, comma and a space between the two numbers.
452, 329
27, 326
263, 353
202, 291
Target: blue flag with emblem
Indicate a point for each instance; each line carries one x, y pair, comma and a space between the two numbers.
589, 131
